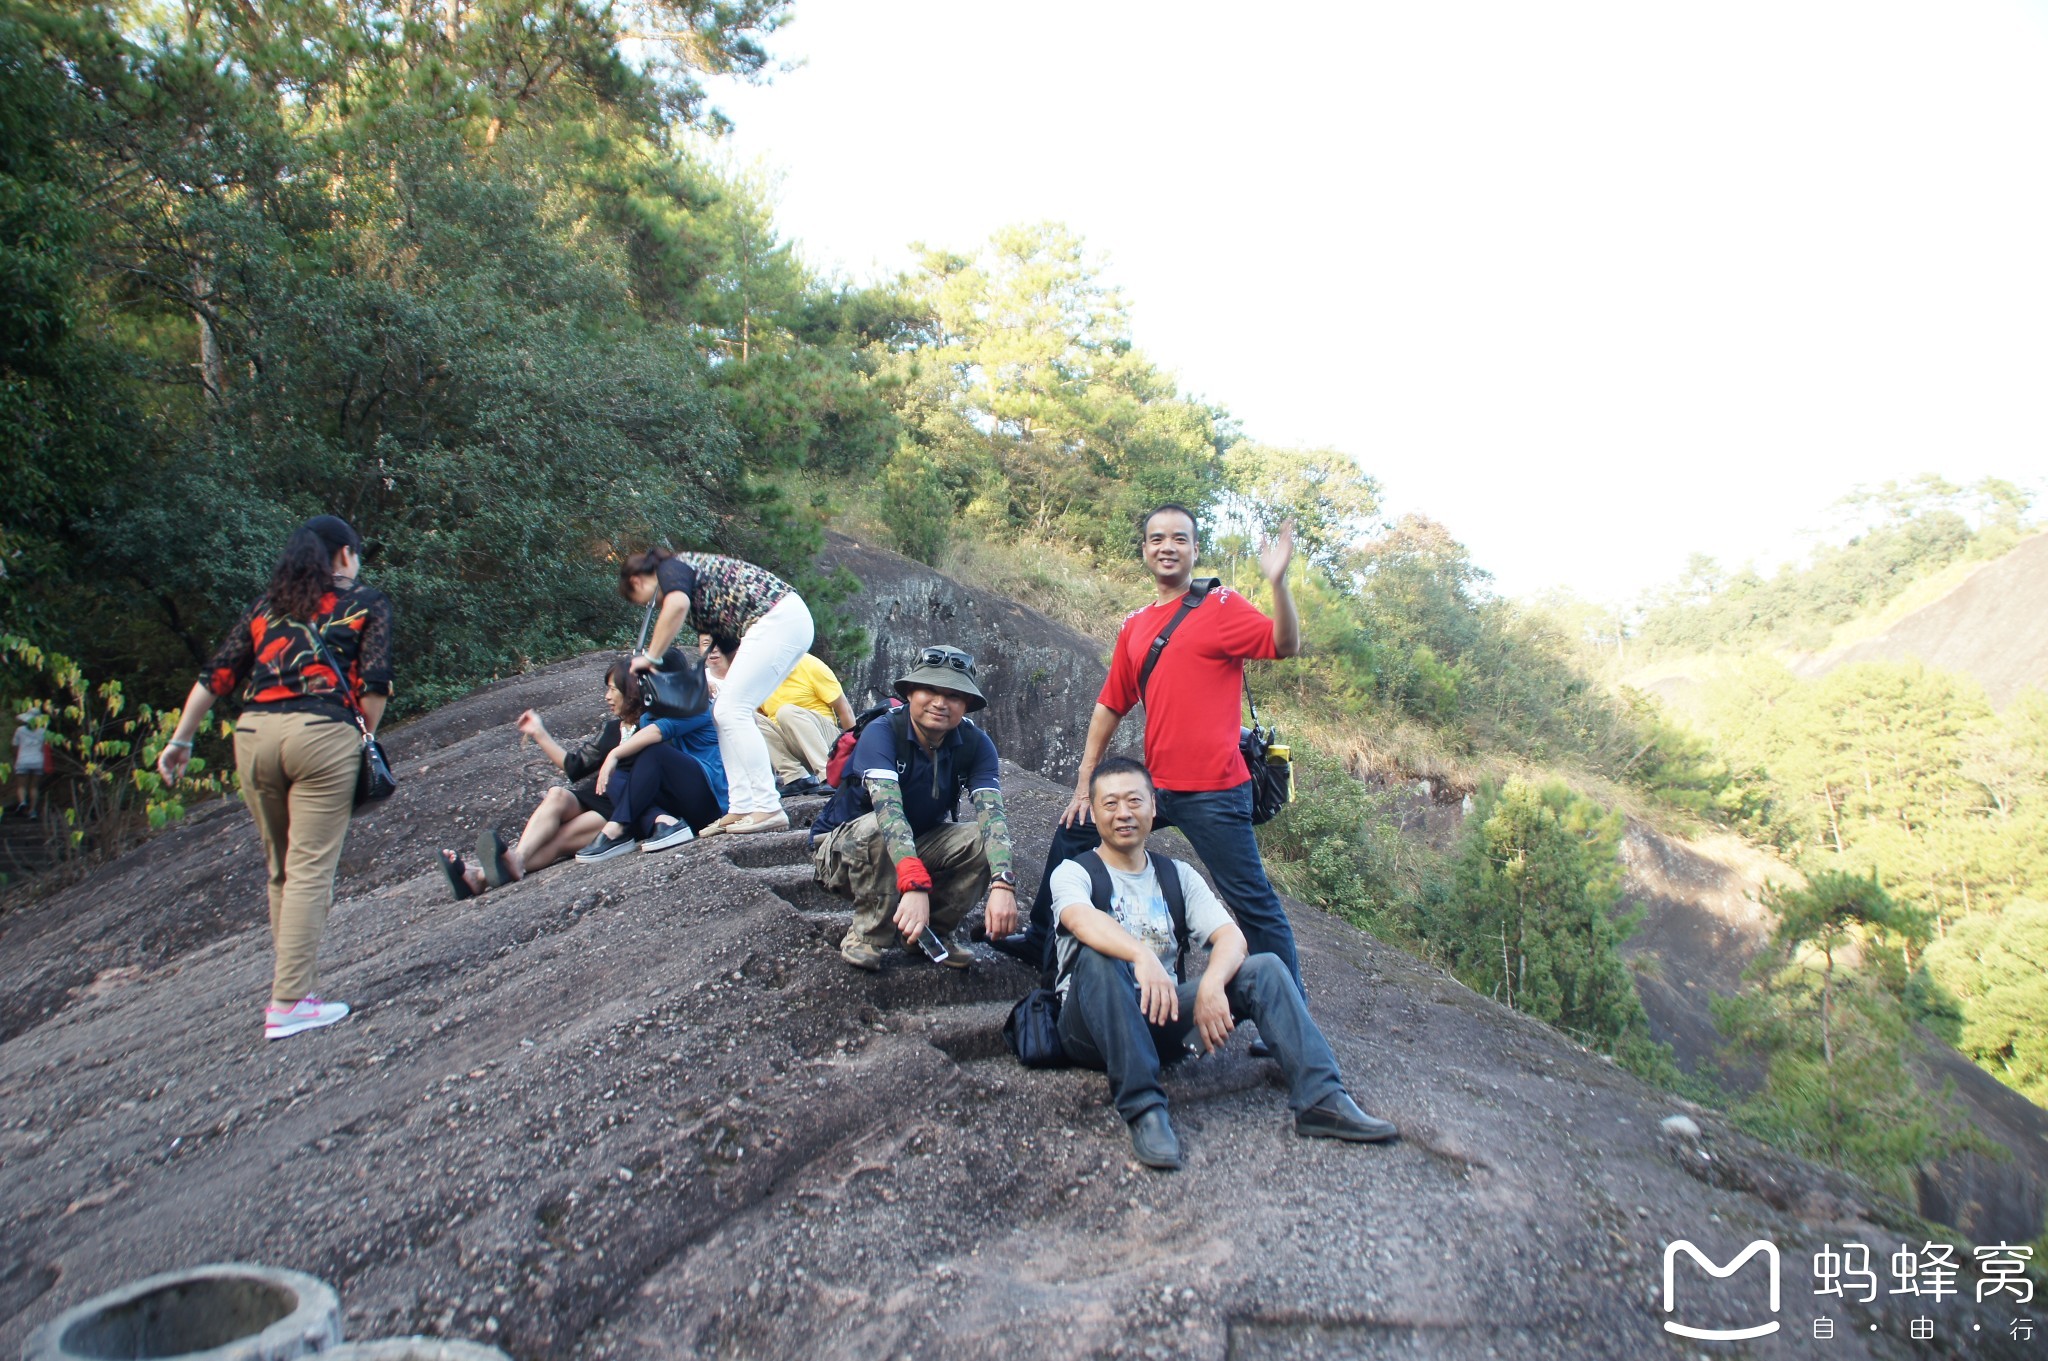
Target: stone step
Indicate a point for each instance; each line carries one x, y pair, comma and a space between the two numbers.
969, 1032
909, 983
780, 877
767, 850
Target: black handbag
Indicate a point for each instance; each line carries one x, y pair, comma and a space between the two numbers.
1033, 1030
374, 780
676, 687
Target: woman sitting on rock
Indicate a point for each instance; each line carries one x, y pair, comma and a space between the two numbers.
728, 598
680, 790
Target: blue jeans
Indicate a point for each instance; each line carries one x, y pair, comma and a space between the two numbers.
1102, 1027
1218, 824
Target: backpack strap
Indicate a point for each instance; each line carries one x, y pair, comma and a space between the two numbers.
1167, 872
1197, 590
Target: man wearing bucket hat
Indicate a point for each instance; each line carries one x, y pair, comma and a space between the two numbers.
890, 839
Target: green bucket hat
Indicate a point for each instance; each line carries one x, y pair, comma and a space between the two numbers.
942, 668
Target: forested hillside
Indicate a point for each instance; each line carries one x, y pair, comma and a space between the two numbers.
476, 275
1915, 811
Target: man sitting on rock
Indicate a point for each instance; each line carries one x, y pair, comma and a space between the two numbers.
1125, 1007
801, 721
889, 839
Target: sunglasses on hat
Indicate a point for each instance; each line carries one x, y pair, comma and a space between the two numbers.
950, 657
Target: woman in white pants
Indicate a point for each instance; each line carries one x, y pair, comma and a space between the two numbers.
728, 598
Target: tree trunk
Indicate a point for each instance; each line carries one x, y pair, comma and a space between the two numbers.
210, 372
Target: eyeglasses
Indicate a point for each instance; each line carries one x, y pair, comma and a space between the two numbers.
950, 657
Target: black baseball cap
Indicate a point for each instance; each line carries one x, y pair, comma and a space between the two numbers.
336, 533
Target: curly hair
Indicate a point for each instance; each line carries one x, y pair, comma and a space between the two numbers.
303, 576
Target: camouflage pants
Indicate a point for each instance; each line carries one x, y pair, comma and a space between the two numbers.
853, 862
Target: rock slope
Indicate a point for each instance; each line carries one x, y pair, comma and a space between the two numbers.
641, 1109
1993, 626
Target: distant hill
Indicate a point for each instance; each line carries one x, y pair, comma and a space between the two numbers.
1993, 626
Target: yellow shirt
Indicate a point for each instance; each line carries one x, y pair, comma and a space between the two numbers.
811, 685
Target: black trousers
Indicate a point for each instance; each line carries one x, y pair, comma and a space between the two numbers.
660, 779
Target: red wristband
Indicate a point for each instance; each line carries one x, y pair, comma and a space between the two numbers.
912, 876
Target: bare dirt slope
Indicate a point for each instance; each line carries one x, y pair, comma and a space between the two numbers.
641, 1109
1994, 626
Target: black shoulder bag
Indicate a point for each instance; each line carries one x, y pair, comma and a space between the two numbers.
675, 688
374, 780
1271, 766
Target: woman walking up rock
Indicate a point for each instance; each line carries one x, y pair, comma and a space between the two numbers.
314, 644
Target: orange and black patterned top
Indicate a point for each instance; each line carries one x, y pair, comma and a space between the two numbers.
271, 655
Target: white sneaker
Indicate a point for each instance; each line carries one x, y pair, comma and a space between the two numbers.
308, 1013
675, 834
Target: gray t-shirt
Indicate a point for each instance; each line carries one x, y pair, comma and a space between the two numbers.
1139, 907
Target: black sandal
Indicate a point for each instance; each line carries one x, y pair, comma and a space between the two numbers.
490, 850
452, 866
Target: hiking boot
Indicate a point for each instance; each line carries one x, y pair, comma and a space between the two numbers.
604, 848
861, 953
1338, 1117
308, 1013
1153, 1141
675, 834
959, 954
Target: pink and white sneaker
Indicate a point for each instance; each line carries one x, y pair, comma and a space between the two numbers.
308, 1013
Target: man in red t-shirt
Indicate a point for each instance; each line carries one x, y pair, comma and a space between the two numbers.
1192, 706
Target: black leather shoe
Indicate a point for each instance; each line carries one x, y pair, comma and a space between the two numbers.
1153, 1141
1340, 1118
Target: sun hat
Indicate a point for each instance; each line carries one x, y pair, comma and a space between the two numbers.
942, 668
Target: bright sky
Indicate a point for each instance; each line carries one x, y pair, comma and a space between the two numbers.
1595, 284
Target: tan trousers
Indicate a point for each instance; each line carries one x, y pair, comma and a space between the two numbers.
299, 779
799, 740
853, 862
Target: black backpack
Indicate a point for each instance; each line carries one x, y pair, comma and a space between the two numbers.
1033, 1030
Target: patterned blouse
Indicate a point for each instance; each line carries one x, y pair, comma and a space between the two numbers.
727, 596
273, 657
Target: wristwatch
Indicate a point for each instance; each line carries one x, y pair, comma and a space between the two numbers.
1007, 879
